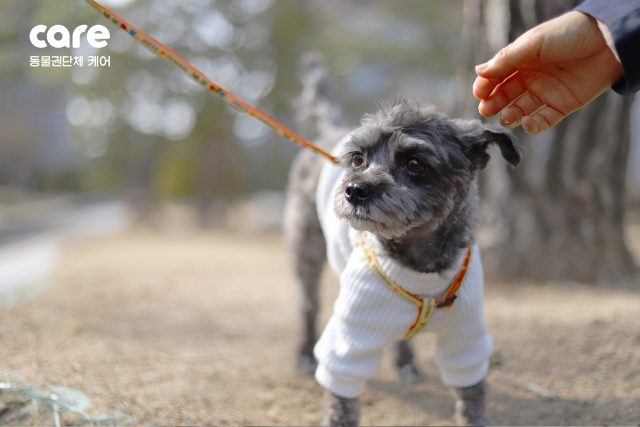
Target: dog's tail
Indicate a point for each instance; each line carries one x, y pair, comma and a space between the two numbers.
317, 108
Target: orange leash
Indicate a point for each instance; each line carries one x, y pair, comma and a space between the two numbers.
199, 77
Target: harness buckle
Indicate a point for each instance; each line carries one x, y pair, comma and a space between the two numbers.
447, 303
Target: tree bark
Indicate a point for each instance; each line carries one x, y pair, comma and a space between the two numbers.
560, 215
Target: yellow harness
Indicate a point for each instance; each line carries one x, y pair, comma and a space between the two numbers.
425, 305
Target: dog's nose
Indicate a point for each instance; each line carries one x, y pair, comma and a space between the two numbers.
357, 193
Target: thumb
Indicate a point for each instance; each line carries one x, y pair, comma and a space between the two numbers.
506, 61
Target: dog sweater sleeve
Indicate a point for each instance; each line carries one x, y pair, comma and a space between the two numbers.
367, 315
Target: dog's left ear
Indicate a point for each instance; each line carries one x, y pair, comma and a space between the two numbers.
477, 137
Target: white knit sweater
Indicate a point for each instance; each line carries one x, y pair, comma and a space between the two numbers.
368, 315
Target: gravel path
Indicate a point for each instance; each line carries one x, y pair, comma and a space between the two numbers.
190, 328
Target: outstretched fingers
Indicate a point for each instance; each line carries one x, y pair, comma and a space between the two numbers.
526, 109
482, 88
524, 105
502, 96
544, 118
517, 105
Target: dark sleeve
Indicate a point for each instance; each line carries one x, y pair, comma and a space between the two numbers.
622, 17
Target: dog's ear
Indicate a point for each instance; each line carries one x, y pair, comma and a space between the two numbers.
476, 138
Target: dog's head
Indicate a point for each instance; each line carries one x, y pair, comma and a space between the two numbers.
407, 166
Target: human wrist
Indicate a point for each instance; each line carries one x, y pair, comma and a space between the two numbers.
608, 52
616, 64
606, 34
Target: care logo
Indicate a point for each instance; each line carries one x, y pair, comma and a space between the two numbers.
59, 37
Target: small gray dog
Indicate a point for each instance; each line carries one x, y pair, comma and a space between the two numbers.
395, 221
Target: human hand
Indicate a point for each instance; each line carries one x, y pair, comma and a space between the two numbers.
547, 73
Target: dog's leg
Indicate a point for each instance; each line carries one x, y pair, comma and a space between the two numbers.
307, 249
406, 368
471, 406
340, 411
309, 262
308, 252
317, 109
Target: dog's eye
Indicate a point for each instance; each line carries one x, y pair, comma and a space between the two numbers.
415, 167
357, 160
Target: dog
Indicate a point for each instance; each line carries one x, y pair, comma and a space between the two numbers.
395, 221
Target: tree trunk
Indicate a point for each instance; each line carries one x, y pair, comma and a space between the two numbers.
560, 215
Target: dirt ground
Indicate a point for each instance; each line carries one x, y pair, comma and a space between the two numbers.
199, 328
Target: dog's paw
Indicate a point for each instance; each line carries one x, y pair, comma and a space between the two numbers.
471, 407
340, 411
410, 374
481, 421
306, 364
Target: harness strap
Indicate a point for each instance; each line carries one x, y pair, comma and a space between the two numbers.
425, 305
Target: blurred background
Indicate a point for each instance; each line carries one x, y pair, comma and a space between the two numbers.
131, 178
142, 131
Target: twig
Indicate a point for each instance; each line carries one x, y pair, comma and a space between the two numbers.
527, 386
